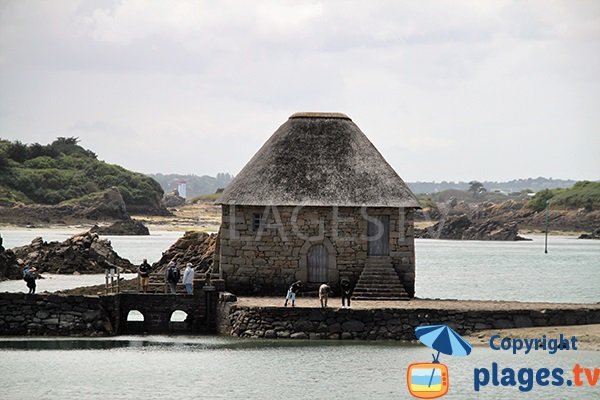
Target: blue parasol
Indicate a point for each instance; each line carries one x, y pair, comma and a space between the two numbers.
443, 339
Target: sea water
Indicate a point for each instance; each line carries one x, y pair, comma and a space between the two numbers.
162, 367
212, 367
478, 270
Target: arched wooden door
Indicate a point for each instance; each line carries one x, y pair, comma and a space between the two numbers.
317, 263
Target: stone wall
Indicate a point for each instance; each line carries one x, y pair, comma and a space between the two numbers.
55, 315
69, 315
265, 260
381, 324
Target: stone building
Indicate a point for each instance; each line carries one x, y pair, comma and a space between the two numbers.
318, 203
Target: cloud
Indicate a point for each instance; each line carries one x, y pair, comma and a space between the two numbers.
198, 86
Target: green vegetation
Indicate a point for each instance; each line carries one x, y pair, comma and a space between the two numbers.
583, 194
63, 170
207, 198
467, 196
426, 201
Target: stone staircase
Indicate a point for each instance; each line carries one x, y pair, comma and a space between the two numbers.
379, 281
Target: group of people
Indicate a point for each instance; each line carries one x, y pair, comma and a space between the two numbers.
324, 290
172, 276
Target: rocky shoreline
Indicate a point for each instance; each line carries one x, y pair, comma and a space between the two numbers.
513, 212
462, 228
84, 253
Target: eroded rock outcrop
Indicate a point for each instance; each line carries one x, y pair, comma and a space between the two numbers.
595, 234
122, 228
9, 268
463, 228
108, 205
84, 253
197, 248
172, 199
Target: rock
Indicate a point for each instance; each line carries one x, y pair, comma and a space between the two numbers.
303, 326
594, 235
173, 199
227, 297
299, 335
84, 253
110, 205
503, 324
353, 326
270, 334
122, 228
9, 267
346, 336
461, 227
197, 248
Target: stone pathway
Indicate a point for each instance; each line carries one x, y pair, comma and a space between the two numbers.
462, 305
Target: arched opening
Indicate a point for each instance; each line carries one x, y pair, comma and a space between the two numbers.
178, 316
135, 316
317, 264
135, 322
179, 322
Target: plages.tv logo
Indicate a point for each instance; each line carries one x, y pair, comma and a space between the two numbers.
429, 380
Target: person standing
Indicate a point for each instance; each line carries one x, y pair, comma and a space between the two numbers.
173, 277
188, 278
144, 273
346, 289
29, 275
324, 294
292, 292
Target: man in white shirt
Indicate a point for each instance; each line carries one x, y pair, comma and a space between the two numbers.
188, 278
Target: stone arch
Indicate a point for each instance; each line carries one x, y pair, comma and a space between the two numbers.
332, 270
178, 316
135, 316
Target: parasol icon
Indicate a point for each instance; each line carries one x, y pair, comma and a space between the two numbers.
443, 339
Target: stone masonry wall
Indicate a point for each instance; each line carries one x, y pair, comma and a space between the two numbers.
266, 260
381, 324
69, 315
56, 315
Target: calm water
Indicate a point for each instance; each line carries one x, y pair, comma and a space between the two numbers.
570, 272
225, 368
163, 367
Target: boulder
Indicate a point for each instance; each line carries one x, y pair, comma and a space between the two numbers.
461, 227
197, 248
84, 253
122, 228
111, 205
9, 269
594, 235
172, 199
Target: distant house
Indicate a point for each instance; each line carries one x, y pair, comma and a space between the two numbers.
318, 203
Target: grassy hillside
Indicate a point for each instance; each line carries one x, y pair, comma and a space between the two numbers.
583, 194
63, 170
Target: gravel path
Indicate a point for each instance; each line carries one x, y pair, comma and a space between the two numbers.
439, 304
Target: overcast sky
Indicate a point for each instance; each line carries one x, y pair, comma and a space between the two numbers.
446, 90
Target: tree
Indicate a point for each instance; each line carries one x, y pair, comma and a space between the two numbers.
477, 188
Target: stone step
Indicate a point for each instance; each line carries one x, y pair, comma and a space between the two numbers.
379, 281
379, 284
380, 272
367, 289
391, 275
378, 263
404, 298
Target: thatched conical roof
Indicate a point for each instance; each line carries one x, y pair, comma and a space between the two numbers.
318, 159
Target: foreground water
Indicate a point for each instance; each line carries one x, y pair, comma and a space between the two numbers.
520, 271
224, 368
